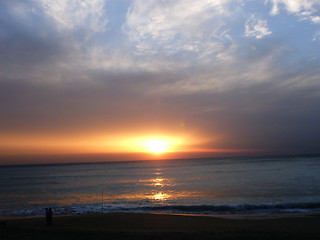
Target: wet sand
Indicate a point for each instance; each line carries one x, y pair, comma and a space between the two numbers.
159, 226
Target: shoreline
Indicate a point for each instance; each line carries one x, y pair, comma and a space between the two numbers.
242, 216
255, 216
160, 226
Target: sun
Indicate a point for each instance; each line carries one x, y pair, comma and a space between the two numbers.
156, 146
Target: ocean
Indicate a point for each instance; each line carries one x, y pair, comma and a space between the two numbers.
230, 185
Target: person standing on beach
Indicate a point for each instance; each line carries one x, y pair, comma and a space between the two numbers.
49, 214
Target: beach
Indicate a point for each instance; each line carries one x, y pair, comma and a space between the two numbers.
159, 226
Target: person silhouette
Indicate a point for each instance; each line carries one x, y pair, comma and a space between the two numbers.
49, 214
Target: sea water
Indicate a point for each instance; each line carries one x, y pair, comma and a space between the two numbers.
233, 185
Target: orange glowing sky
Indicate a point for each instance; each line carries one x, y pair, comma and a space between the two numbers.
155, 143
29, 149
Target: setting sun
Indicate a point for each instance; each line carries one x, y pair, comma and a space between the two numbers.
157, 146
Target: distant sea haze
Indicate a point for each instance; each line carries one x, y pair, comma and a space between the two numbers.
231, 185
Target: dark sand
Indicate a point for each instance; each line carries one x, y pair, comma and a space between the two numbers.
159, 226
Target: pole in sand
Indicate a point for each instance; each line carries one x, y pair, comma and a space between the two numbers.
102, 198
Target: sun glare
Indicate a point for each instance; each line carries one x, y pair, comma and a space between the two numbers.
157, 146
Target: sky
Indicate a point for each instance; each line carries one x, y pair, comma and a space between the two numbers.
79, 77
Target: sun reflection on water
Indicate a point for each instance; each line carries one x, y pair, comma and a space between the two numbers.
158, 182
156, 189
161, 196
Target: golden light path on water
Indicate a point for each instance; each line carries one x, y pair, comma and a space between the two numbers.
156, 190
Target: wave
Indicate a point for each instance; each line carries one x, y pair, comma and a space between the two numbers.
182, 209
237, 209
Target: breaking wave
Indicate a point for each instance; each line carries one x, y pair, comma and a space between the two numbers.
182, 209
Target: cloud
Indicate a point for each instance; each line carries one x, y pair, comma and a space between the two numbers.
170, 26
74, 14
304, 9
257, 28
316, 36
315, 19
